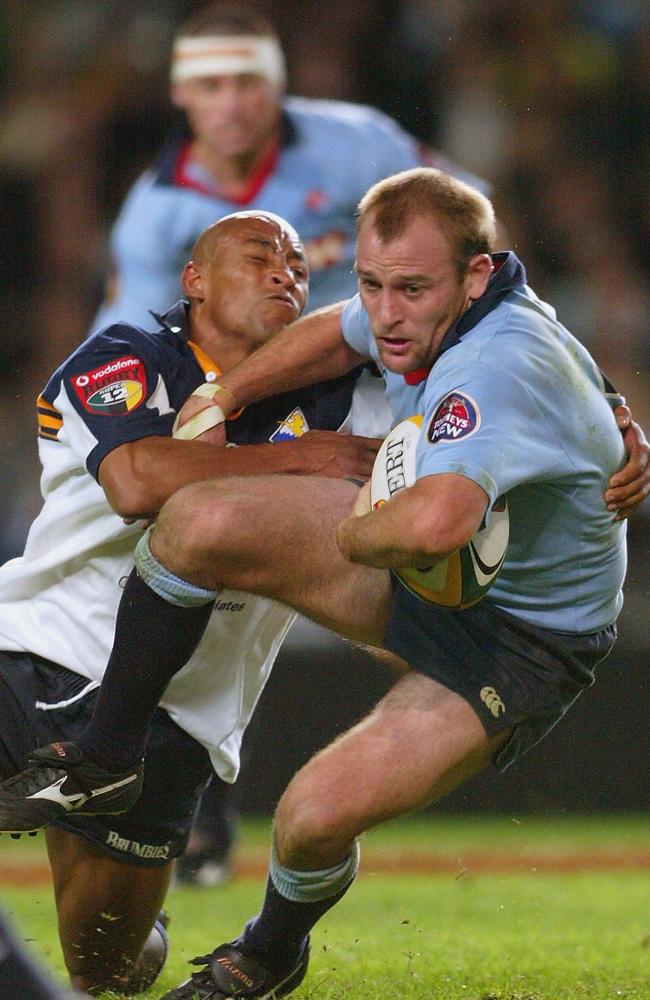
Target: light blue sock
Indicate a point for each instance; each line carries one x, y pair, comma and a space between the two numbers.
166, 584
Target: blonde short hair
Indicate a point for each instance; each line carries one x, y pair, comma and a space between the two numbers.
464, 215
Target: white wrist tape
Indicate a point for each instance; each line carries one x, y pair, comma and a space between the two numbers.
203, 421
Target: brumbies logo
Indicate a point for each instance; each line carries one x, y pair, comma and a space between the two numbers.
457, 416
292, 427
117, 387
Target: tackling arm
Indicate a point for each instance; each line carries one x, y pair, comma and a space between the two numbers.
138, 477
310, 350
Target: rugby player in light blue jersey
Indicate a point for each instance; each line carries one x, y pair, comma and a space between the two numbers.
512, 405
246, 145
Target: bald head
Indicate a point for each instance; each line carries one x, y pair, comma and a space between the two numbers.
240, 226
247, 279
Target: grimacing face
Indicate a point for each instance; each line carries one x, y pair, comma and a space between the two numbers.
231, 115
412, 292
257, 280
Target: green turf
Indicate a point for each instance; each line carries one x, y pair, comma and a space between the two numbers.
519, 936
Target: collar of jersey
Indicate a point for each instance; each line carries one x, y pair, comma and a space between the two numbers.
175, 321
171, 157
509, 274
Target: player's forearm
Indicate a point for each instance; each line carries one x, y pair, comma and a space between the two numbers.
310, 350
384, 540
139, 477
418, 527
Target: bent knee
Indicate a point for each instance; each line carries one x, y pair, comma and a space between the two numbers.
192, 526
310, 833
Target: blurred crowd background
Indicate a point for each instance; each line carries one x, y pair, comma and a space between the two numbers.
549, 101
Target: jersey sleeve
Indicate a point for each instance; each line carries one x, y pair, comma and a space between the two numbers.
486, 425
114, 384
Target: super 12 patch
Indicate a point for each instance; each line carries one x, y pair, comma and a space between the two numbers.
115, 388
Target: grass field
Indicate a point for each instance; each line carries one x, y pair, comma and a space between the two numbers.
489, 909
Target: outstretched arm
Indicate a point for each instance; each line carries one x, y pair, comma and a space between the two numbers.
309, 350
138, 477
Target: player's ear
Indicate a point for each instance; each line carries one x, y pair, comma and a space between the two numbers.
478, 272
192, 281
178, 96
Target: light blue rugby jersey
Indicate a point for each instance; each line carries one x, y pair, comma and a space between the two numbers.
516, 403
331, 153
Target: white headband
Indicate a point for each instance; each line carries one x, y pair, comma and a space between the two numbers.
222, 55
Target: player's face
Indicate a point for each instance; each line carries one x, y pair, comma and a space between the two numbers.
412, 292
231, 115
258, 281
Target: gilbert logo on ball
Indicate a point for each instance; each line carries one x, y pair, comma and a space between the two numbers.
467, 575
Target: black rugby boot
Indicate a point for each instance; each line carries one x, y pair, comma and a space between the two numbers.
61, 781
230, 974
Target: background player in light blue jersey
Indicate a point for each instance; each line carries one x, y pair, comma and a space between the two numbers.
246, 145
461, 337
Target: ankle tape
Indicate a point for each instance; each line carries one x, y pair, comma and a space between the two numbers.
166, 584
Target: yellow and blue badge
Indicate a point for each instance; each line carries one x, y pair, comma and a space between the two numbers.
293, 426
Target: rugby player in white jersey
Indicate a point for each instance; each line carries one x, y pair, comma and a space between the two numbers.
105, 423
245, 143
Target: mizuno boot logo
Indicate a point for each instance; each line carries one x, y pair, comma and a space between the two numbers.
54, 794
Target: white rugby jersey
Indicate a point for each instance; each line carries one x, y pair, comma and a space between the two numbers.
59, 599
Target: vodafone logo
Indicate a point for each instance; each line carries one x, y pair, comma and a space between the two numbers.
117, 366
100, 373
116, 388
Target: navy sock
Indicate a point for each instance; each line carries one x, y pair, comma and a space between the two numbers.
153, 640
278, 934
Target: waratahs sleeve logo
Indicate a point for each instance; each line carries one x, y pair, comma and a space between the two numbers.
116, 388
456, 417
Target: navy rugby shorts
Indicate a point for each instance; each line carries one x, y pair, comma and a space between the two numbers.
41, 702
512, 674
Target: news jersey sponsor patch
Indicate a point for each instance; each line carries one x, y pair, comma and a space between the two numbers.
456, 417
115, 388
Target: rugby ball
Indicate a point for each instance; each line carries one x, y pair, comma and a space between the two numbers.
467, 575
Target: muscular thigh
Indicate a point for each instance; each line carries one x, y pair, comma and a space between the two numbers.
275, 536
